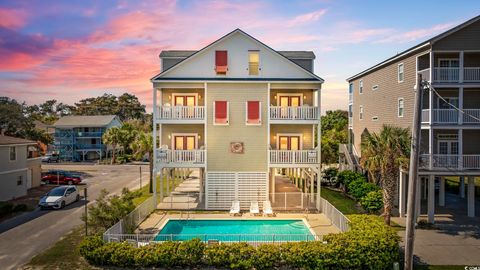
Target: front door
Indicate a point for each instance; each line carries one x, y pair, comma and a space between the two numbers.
448, 69
185, 100
184, 142
289, 142
448, 153
286, 104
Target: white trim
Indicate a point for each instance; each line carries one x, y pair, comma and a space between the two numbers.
268, 125
239, 81
290, 95
172, 139
228, 114
13, 171
259, 113
360, 86
398, 107
18, 144
278, 135
184, 94
205, 139
403, 72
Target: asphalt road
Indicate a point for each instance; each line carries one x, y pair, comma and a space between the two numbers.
29, 234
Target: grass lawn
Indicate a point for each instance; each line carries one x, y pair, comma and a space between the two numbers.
344, 204
438, 267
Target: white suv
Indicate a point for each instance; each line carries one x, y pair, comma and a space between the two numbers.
59, 197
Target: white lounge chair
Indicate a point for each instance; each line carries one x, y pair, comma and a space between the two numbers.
254, 210
235, 208
267, 209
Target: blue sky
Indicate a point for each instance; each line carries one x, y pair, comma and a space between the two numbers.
68, 50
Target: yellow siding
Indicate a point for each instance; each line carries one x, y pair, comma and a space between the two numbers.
219, 157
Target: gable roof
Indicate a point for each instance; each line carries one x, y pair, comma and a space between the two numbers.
289, 54
9, 140
84, 121
427, 43
194, 53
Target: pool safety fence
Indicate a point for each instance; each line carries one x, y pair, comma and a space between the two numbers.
252, 239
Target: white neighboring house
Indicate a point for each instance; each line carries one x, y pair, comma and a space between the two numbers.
20, 168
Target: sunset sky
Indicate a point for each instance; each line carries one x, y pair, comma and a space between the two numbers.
68, 50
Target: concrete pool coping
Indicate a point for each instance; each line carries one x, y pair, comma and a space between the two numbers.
318, 224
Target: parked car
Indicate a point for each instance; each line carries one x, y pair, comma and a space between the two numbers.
50, 158
61, 178
59, 197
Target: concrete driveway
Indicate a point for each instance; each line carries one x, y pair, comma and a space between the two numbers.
27, 235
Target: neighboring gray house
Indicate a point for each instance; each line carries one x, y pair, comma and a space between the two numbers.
20, 168
79, 137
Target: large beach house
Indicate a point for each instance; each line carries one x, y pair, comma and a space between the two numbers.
237, 111
384, 94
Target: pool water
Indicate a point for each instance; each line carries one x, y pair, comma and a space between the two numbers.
235, 230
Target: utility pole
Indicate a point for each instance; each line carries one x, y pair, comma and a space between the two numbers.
413, 175
140, 176
86, 212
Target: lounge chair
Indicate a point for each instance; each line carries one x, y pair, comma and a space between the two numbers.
235, 208
267, 209
254, 210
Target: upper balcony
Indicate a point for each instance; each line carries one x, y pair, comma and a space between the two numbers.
181, 114
451, 67
294, 114
452, 116
88, 134
449, 162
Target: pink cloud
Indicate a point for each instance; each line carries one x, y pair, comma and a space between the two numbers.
12, 18
307, 18
416, 34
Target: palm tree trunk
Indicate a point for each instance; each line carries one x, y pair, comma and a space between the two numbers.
113, 154
389, 188
150, 158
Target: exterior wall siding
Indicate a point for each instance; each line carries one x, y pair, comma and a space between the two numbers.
466, 39
9, 189
219, 157
19, 163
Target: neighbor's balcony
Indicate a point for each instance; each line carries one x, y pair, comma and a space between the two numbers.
294, 114
449, 162
452, 74
89, 146
89, 134
187, 114
451, 116
181, 158
293, 157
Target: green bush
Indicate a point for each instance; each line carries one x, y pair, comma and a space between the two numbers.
5, 208
373, 201
369, 244
20, 208
359, 188
345, 177
330, 175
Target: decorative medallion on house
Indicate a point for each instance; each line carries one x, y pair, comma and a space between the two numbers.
237, 147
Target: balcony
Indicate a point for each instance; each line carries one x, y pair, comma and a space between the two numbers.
452, 74
293, 157
89, 146
89, 134
450, 162
451, 116
182, 114
181, 158
297, 114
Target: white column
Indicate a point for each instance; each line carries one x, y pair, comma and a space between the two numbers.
402, 193
430, 106
460, 148
462, 187
312, 189
441, 192
272, 176
460, 104
471, 196
154, 176
200, 177
318, 190
460, 71
167, 183
431, 198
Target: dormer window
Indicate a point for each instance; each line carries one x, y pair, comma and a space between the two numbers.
221, 62
253, 62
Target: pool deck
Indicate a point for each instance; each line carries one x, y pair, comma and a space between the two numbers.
319, 223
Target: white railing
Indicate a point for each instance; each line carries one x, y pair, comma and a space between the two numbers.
471, 74
336, 217
196, 156
445, 116
131, 220
294, 113
467, 116
446, 74
425, 74
450, 162
293, 156
350, 98
425, 115
181, 113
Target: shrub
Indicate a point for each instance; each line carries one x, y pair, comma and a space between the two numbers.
373, 201
359, 188
123, 255
330, 174
19, 208
233, 256
190, 253
5, 208
267, 257
88, 246
345, 177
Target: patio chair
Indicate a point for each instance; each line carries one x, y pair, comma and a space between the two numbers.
235, 208
267, 209
254, 210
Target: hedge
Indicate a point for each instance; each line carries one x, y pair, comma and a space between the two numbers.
369, 244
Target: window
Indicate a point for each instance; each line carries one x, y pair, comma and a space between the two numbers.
350, 92
19, 180
220, 113
401, 107
360, 86
13, 153
289, 142
221, 62
401, 73
375, 87
253, 113
360, 113
253, 62
184, 141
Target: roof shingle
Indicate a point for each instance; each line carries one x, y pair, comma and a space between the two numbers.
84, 121
9, 140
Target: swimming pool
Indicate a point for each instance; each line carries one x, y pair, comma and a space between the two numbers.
236, 230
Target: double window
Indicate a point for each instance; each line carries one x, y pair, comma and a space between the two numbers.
253, 112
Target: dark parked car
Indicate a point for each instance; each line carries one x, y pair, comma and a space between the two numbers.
50, 158
61, 178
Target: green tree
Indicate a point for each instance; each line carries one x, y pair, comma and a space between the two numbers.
334, 132
113, 137
127, 136
129, 107
382, 155
126, 106
142, 145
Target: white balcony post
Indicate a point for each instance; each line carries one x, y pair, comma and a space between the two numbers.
431, 198
461, 69
460, 105
471, 196
460, 149
441, 192
430, 116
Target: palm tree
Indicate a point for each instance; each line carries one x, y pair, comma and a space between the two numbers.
143, 144
382, 155
113, 137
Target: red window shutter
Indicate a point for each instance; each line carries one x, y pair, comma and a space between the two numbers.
221, 112
221, 61
253, 109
